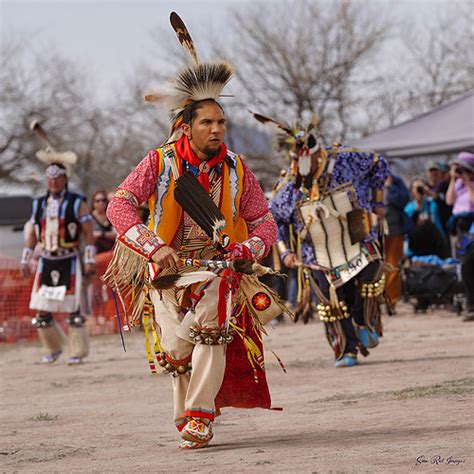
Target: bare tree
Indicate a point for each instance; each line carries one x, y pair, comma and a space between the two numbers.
40, 83
444, 54
432, 64
303, 58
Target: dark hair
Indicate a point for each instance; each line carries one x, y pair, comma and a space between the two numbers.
190, 111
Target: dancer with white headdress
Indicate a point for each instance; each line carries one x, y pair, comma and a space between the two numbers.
58, 221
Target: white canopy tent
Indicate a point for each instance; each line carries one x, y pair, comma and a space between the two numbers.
444, 130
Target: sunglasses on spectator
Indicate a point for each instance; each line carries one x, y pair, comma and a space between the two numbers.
100, 200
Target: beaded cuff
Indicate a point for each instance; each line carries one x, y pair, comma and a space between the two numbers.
141, 240
26, 255
89, 254
256, 246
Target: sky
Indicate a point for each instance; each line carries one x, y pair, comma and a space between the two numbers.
111, 36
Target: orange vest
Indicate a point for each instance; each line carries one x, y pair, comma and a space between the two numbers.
166, 214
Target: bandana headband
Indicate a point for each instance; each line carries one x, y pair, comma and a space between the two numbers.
55, 171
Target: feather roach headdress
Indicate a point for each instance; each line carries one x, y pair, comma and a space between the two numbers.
302, 143
52, 157
297, 136
198, 81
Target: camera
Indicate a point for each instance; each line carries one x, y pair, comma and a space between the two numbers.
420, 190
459, 170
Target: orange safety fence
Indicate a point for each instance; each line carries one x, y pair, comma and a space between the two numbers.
15, 291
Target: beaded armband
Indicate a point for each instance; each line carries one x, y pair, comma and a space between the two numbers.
281, 247
377, 198
127, 195
85, 218
253, 224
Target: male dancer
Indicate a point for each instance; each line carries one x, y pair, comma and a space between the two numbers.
58, 220
193, 320
326, 228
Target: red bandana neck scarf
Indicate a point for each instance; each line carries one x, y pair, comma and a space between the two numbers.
183, 147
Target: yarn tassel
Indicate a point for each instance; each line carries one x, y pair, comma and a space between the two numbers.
149, 355
279, 361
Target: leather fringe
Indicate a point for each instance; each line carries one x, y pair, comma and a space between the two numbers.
128, 274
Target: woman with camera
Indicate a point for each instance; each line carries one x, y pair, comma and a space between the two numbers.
426, 236
460, 194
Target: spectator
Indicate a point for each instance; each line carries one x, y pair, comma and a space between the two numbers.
460, 194
104, 234
427, 235
437, 188
396, 198
467, 272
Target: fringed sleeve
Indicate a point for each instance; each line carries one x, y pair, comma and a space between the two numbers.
128, 271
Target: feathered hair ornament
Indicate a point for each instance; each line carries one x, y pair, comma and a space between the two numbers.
301, 143
198, 81
50, 156
300, 137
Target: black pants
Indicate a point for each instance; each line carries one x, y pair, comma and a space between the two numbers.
351, 295
467, 273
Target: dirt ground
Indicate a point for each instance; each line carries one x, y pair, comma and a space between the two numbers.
407, 408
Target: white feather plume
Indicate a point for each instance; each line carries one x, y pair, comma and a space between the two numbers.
49, 155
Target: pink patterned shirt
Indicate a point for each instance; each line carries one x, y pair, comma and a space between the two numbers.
140, 184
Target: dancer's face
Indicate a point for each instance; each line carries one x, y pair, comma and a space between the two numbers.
56, 185
207, 131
